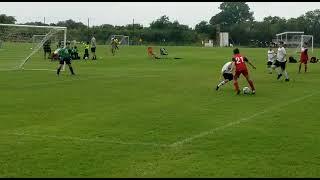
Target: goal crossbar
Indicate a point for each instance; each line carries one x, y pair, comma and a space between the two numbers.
53, 30
34, 26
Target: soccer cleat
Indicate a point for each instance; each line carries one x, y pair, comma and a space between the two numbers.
238, 92
253, 91
287, 80
279, 76
217, 88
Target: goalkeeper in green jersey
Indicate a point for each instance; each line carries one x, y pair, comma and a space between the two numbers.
65, 57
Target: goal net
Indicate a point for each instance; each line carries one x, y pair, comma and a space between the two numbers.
294, 41
123, 40
37, 38
22, 46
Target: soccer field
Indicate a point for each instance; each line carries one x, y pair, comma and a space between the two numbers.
129, 116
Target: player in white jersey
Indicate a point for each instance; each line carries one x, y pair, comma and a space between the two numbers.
226, 73
271, 57
93, 48
281, 62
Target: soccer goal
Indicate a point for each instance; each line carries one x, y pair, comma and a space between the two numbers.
123, 40
23, 46
38, 37
294, 40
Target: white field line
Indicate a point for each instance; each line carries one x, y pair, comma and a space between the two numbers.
27, 70
95, 140
206, 133
39, 70
91, 78
8, 70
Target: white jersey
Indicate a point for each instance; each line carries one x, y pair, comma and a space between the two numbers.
227, 68
281, 55
271, 55
56, 51
93, 42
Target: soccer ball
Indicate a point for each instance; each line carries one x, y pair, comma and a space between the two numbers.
246, 90
86, 58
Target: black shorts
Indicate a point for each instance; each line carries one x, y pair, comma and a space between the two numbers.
269, 63
228, 76
47, 49
280, 64
93, 49
67, 60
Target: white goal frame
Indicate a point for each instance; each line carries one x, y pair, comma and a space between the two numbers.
38, 47
120, 40
284, 37
37, 35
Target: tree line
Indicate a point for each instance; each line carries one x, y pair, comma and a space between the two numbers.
235, 18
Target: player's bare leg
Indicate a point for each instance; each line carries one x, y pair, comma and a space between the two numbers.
112, 51
305, 67
269, 69
236, 84
250, 83
59, 69
71, 69
284, 72
300, 67
222, 83
94, 56
279, 72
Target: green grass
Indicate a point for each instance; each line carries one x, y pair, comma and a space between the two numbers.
117, 116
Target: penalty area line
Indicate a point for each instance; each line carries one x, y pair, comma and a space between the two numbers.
95, 140
242, 120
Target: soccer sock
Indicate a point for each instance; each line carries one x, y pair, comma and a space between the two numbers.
286, 74
300, 67
221, 83
58, 71
305, 68
236, 85
279, 71
71, 69
251, 85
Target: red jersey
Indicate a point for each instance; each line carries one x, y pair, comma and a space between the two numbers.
304, 54
240, 62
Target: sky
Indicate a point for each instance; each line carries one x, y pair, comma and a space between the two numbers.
123, 13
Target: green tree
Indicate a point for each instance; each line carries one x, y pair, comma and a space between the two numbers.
4, 19
71, 24
231, 13
161, 23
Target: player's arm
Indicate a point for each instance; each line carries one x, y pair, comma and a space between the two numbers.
246, 60
284, 53
233, 66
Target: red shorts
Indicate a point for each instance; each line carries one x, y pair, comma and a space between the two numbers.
238, 73
303, 61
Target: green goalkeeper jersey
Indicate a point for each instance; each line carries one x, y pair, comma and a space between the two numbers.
64, 53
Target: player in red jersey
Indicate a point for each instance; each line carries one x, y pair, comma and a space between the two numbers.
239, 62
304, 57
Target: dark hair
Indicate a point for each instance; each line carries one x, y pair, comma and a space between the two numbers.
281, 42
236, 51
87, 42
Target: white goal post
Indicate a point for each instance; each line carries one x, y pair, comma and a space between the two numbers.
123, 40
22, 36
295, 39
